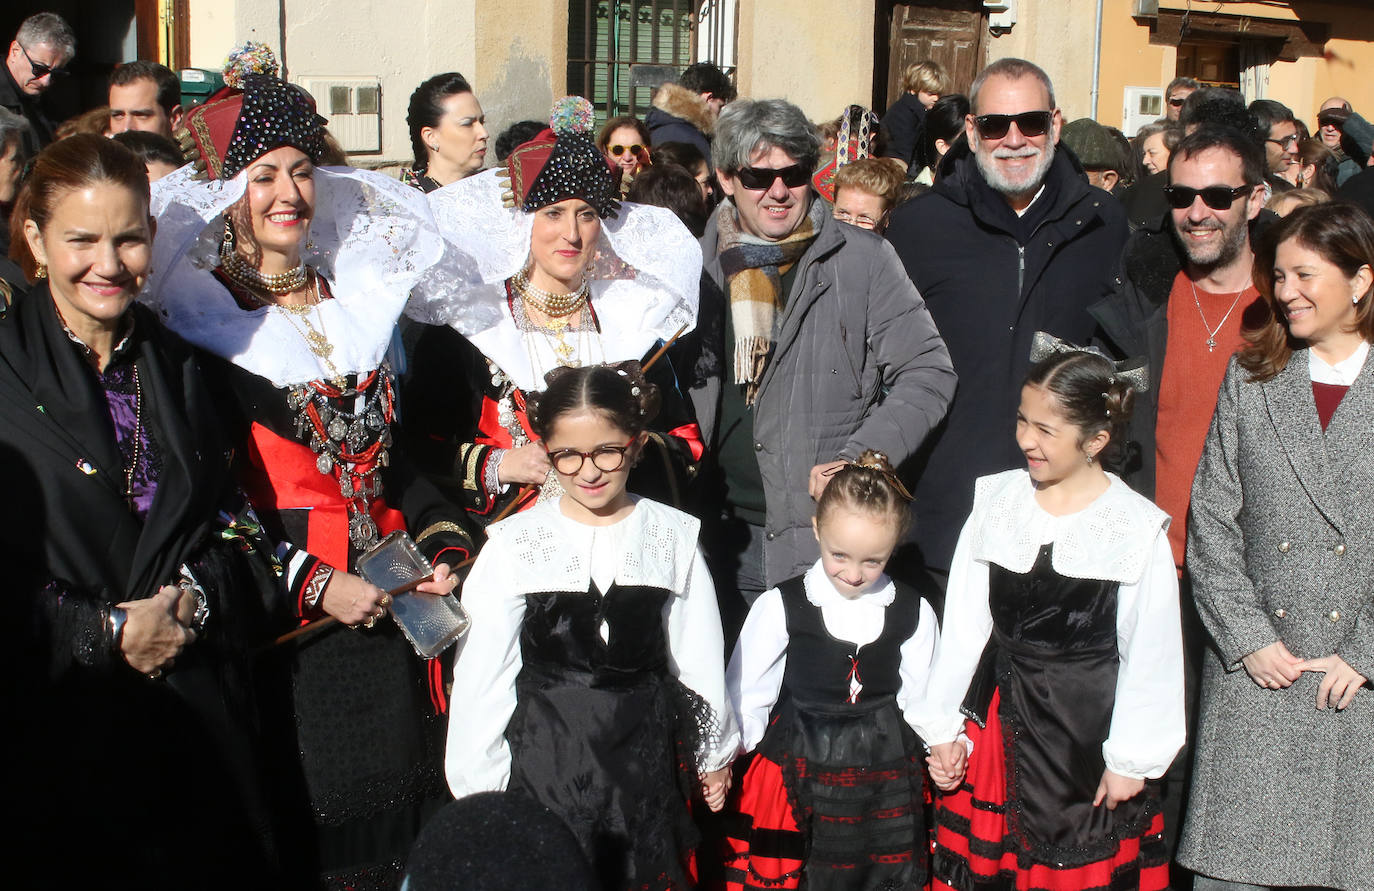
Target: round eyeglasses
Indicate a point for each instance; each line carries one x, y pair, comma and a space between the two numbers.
606, 459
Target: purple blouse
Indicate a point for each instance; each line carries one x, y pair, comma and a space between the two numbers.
119, 382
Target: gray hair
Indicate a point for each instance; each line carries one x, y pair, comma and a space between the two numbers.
12, 129
746, 126
1012, 69
47, 29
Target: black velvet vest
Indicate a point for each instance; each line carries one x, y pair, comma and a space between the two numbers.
819, 665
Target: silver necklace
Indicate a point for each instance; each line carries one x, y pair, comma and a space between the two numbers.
1212, 332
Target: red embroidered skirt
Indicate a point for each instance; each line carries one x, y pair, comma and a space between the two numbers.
976, 848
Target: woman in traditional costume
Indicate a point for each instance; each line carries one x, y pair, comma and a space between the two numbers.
562, 275
292, 278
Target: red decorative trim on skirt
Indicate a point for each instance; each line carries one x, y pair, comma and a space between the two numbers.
763, 816
975, 848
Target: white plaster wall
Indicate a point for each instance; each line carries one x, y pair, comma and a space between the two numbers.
819, 57
1058, 36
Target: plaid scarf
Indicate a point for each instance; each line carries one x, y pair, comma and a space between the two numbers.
753, 271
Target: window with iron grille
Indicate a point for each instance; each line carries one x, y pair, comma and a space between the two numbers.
619, 51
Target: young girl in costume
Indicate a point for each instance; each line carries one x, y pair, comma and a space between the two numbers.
1061, 644
827, 666
593, 677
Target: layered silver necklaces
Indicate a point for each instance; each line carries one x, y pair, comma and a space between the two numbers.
1212, 332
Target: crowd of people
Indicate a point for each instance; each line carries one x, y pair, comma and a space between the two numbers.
957, 498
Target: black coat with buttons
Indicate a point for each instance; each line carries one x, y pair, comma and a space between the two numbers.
1281, 547
991, 280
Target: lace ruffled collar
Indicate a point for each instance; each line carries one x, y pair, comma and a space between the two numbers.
645, 278
548, 551
821, 593
371, 237
1111, 539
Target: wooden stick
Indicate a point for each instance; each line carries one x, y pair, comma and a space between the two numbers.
663, 349
506, 511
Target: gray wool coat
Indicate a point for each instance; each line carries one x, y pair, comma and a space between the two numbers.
858, 364
1281, 547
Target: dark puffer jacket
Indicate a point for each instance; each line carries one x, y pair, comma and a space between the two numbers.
991, 281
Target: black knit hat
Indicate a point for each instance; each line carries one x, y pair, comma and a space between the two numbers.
497, 841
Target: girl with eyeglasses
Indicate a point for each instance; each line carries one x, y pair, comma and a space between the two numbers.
593, 678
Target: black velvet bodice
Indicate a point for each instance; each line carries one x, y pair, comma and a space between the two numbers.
1044, 609
562, 632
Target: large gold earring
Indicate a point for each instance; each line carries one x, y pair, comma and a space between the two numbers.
41, 272
228, 232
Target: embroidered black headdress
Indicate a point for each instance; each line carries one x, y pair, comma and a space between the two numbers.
563, 162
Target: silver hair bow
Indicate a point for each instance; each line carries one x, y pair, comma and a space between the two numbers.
1134, 372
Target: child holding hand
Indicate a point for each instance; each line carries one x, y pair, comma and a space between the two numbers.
827, 666
1062, 648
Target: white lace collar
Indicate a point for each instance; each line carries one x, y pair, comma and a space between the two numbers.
547, 551
371, 237
1111, 539
821, 593
645, 279
1342, 373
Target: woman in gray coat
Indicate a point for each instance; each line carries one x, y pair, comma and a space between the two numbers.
1281, 550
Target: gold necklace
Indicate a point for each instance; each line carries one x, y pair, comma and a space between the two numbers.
298, 316
550, 304
237, 267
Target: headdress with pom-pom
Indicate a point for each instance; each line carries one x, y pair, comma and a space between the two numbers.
250, 58
562, 162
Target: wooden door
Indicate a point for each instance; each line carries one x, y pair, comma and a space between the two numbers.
949, 32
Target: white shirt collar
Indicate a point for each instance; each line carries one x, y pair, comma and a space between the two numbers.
1341, 374
1039, 192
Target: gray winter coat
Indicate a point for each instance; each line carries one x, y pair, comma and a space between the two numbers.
858, 365
1281, 547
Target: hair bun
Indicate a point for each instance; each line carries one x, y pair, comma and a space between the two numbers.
875, 460
572, 114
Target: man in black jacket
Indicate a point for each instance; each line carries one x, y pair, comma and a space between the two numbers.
1011, 240
39, 52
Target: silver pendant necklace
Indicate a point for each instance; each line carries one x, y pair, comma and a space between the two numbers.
1212, 332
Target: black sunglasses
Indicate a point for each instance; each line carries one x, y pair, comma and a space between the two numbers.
1215, 197
1177, 101
1030, 123
41, 70
756, 179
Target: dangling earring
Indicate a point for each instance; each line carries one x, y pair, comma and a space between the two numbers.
41, 272
228, 241
1090, 459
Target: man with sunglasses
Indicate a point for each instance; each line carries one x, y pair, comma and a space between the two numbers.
1349, 136
39, 53
1176, 93
1011, 240
826, 350
1184, 288
1281, 137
